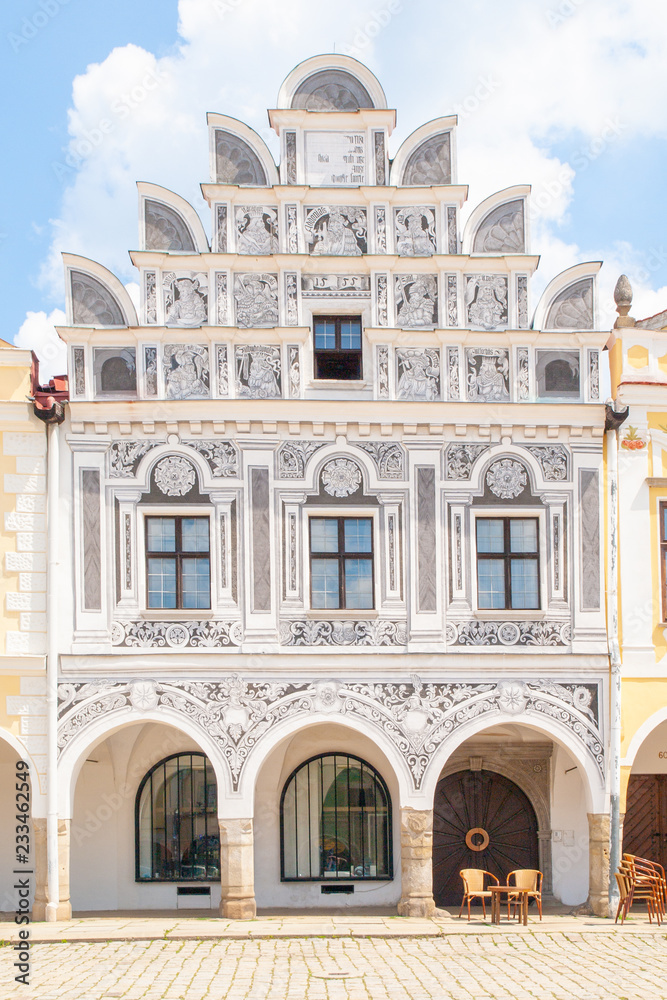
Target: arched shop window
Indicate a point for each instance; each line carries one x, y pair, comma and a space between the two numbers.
177, 834
335, 821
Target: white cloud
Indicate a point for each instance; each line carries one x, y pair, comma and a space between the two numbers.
37, 333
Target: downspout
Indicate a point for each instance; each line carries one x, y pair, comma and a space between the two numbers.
53, 496
614, 419
52, 417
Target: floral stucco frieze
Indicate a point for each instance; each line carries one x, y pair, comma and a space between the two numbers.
416, 717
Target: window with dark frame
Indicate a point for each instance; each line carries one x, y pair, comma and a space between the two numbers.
508, 563
663, 557
176, 822
341, 562
337, 347
335, 821
178, 570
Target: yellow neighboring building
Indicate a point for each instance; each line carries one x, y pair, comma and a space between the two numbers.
638, 361
23, 591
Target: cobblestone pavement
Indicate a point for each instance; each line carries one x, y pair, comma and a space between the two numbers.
579, 965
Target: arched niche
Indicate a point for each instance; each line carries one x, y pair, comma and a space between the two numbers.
235, 161
499, 224
165, 229
331, 90
238, 154
168, 222
95, 297
331, 83
427, 156
503, 230
569, 301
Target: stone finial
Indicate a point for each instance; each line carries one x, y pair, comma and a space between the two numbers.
623, 300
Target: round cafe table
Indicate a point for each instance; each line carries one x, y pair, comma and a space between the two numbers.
497, 892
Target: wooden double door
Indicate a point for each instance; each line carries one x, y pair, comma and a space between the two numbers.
480, 820
645, 824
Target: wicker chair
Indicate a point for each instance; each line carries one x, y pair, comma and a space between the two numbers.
473, 887
526, 878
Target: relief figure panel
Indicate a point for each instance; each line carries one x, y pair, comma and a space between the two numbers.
258, 372
486, 301
418, 374
185, 297
256, 298
487, 374
416, 300
332, 230
186, 371
256, 230
415, 231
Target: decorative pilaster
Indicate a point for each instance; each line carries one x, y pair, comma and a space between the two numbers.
598, 863
237, 875
416, 863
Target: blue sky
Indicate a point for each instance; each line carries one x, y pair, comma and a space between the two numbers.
567, 95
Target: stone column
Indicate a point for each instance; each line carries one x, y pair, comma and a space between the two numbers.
416, 863
237, 875
598, 863
64, 911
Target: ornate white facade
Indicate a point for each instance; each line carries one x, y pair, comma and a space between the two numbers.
463, 415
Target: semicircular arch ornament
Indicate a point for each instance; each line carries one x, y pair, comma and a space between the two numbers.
430, 163
331, 90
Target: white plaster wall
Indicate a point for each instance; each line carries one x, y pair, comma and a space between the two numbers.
8, 897
269, 890
652, 755
570, 818
102, 836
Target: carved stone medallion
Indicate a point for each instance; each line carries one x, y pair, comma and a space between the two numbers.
174, 476
341, 477
506, 479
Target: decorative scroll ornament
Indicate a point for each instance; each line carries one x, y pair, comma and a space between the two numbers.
341, 477
235, 714
460, 458
343, 633
221, 456
388, 456
506, 479
124, 457
175, 635
508, 633
174, 476
554, 461
293, 457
